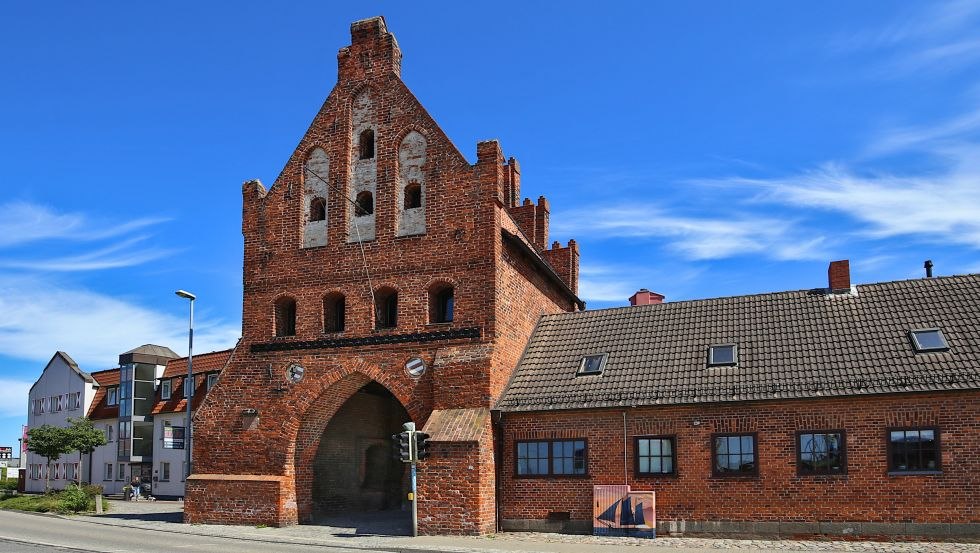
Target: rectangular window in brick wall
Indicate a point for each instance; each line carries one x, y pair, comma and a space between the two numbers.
655, 456
552, 458
820, 452
734, 455
913, 450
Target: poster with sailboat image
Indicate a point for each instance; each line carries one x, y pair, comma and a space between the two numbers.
619, 511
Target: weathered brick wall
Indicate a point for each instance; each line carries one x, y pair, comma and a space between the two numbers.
462, 210
866, 493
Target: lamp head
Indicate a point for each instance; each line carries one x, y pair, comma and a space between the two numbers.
186, 294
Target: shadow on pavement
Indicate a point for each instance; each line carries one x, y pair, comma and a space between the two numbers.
380, 523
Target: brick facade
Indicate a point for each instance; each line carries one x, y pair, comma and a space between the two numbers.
454, 233
777, 495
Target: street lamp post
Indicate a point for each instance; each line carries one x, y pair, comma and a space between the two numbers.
189, 383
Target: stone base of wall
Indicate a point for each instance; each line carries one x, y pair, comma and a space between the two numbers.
240, 499
943, 531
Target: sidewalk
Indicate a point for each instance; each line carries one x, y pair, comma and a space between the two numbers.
166, 516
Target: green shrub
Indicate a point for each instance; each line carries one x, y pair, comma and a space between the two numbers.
8, 484
73, 499
35, 503
93, 490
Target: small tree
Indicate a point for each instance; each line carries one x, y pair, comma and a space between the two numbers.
84, 437
50, 442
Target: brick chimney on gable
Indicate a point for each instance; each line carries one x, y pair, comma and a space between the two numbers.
646, 297
839, 276
373, 51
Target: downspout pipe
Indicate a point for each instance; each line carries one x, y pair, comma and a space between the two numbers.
497, 421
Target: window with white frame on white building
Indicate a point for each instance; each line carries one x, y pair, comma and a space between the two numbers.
44, 404
108, 472
122, 471
164, 471
75, 401
108, 433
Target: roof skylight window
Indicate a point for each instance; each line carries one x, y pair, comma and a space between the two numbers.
592, 364
722, 354
928, 339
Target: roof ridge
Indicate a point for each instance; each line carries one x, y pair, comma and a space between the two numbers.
755, 295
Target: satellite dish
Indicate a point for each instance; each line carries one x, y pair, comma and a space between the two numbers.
294, 373
415, 367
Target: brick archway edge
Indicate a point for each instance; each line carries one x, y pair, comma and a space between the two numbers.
334, 390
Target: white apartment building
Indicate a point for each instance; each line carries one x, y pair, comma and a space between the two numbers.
62, 391
142, 408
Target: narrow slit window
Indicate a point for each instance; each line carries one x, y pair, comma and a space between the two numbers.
592, 364
334, 312
285, 317
441, 304
928, 339
722, 354
413, 196
366, 149
386, 309
365, 204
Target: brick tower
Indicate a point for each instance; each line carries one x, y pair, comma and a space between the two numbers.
378, 246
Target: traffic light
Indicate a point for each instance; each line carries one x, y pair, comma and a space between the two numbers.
395, 452
402, 447
421, 445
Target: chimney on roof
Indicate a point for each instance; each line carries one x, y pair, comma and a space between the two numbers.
646, 297
928, 266
839, 276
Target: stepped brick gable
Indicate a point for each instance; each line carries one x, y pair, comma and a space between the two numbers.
378, 243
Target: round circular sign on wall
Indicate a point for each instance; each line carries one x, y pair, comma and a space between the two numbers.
415, 367
294, 373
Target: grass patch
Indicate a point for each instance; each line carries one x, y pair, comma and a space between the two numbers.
71, 500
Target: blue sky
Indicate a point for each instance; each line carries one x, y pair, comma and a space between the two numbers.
697, 149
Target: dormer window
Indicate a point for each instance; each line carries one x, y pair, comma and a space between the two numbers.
928, 339
592, 364
722, 355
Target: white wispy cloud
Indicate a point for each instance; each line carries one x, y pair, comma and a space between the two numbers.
122, 254
13, 397
616, 282
930, 37
25, 222
695, 237
42, 316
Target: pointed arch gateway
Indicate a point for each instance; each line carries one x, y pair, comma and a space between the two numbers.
342, 457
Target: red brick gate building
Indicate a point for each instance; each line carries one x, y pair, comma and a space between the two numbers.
377, 245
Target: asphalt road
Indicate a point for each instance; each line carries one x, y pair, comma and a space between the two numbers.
31, 533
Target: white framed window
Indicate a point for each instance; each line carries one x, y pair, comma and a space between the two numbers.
108, 433
928, 339
35, 472
164, 471
212, 380
74, 401
722, 354
122, 472
44, 404
165, 388
592, 364
71, 471
188, 384
108, 472
112, 396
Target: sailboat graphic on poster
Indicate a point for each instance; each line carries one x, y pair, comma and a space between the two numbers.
618, 511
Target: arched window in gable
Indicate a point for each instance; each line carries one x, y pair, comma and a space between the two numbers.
366, 144
413, 196
365, 203
318, 209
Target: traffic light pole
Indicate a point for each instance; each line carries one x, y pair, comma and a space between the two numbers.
415, 505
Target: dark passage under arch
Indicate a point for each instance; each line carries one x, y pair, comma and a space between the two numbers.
354, 474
